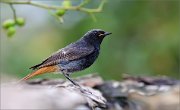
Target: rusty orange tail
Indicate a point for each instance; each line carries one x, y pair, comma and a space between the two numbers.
41, 71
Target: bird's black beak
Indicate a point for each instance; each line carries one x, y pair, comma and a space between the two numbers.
107, 33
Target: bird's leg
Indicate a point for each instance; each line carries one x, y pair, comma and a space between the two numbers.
67, 76
76, 84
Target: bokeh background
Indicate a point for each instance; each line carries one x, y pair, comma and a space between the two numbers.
145, 39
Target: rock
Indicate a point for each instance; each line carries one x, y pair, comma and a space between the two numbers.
132, 93
50, 94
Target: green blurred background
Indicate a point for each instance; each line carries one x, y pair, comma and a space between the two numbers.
145, 39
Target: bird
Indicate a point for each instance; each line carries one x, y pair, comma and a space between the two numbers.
72, 58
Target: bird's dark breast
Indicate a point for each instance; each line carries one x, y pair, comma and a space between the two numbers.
79, 64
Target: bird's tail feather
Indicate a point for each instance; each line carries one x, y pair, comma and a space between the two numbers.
41, 71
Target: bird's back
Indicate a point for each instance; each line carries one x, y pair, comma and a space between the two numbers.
70, 53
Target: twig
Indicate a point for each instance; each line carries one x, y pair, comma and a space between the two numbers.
52, 7
14, 12
80, 7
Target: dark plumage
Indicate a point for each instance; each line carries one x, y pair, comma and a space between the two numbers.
75, 56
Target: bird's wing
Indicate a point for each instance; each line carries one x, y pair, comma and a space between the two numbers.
68, 53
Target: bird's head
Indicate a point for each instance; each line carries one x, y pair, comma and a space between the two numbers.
95, 36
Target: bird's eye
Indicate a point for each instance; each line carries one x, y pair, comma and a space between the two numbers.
101, 33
